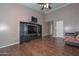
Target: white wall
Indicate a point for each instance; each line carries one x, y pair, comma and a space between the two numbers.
47, 27
69, 14
10, 16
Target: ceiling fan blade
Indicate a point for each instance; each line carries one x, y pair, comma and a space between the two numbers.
41, 3
50, 7
42, 8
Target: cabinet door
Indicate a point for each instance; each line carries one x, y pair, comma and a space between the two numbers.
23, 32
21, 29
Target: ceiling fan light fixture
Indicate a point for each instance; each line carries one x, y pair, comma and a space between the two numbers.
46, 5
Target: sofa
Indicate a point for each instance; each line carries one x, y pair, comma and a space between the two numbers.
72, 39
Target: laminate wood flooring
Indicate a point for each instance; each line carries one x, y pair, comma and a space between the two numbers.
46, 46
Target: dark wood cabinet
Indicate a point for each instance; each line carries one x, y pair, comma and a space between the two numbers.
29, 31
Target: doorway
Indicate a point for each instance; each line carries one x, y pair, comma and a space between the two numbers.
59, 29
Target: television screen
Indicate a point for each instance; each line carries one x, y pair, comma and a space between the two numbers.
32, 29
34, 19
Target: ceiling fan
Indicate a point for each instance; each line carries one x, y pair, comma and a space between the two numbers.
45, 5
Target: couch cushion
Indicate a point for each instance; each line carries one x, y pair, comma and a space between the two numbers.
77, 37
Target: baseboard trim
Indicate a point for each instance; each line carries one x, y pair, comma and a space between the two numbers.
10, 45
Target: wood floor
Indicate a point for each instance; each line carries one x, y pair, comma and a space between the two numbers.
46, 46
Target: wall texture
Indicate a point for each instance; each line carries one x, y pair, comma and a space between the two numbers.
10, 17
70, 16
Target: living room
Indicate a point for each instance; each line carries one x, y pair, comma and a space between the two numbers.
50, 37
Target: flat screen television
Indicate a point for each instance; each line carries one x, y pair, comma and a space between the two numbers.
34, 19
32, 29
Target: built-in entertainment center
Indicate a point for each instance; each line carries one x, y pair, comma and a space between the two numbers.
30, 30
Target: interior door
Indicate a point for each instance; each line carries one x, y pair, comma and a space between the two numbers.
59, 29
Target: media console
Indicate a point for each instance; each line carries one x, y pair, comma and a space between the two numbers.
29, 31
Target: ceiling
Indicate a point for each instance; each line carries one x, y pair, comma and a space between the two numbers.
38, 7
